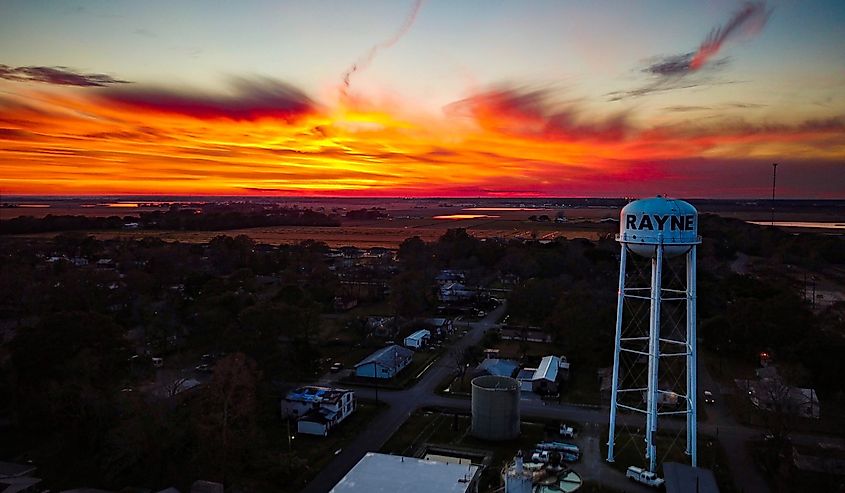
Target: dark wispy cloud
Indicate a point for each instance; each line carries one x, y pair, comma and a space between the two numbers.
533, 112
682, 71
57, 75
747, 21
247, 99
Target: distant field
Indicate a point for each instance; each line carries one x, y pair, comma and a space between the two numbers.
503, 219
387, 234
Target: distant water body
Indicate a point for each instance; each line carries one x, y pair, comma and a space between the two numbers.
801, 224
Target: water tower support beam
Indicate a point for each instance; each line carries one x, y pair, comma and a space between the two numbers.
617, 347
692, 361
654, 354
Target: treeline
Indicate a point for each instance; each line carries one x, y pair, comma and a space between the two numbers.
729, 236
204, 219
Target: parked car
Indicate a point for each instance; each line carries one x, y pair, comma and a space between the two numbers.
708, 397
643, 476
566, 431
204, 368
540, 456
336, 367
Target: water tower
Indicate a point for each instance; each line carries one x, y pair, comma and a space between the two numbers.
655, 324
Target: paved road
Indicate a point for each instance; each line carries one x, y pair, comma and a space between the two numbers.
402, 404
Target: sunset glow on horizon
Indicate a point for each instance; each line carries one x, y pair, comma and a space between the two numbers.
668, 130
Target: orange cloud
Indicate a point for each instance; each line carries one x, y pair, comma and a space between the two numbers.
266, 137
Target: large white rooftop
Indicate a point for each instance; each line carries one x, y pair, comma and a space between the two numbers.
380, 473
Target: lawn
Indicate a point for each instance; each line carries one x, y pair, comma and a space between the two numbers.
312, 453
630, 446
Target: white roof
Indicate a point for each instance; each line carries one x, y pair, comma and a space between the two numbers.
419, 335
380, 473
547, 369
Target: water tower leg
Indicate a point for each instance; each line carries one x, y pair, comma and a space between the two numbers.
692, 361
654, 355
620, 300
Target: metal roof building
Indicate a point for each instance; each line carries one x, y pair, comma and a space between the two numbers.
681, 478
380, 473
547, 369
417, 339
384, 363
498, 367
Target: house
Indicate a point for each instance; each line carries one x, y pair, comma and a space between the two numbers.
381, 472
543, 379
448, 276
385, 363
528, 334
440, 326
563, 369
317, 409
526, 379
418, 339
455, 292
771, 393
105, 263
498, 367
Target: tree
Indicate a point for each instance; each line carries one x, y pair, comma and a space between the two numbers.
410, 294
414, 253
227, 425
66, 372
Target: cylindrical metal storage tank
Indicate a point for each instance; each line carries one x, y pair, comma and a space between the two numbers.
646, 223
495, 408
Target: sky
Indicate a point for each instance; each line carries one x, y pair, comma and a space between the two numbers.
437, 98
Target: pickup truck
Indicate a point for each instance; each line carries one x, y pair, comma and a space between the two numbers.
567, 431
640, 475
543, 456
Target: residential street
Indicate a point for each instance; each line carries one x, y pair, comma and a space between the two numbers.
592, 466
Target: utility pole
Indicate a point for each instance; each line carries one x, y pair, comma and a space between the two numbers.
375, 379
774, 182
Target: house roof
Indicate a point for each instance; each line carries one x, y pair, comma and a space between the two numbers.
380, 473
313, 393
389, 356
526, 374
548, 369
499, 367
419, 335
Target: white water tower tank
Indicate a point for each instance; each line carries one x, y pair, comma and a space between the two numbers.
646, 223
